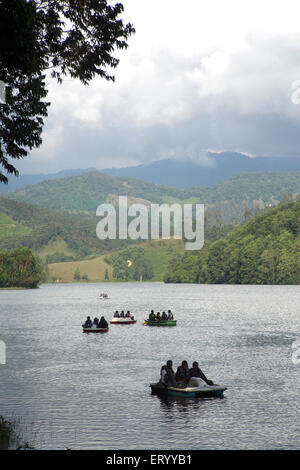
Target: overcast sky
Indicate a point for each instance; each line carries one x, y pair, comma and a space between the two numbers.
197, 76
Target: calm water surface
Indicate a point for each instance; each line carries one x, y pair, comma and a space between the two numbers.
68, 389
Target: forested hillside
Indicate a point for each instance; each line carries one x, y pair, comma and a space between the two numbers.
23, 224
231, 201
264, 250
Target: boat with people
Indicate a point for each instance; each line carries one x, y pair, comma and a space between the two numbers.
122, 318
103, 296
188, 383
95, 326
195, 388
164, 319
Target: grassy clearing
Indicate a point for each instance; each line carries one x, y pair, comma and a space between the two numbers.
10, 228
94, 268
159, 252
4, 219
55, 246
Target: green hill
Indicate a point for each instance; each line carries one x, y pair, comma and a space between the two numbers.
264, 250
50, 233
228, 202
82, 194
121, 265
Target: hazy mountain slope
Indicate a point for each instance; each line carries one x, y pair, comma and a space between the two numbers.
83, 193
15, 183
188, 174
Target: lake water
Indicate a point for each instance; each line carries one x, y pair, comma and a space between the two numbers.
73, 390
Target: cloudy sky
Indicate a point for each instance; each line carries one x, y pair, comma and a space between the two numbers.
197, 76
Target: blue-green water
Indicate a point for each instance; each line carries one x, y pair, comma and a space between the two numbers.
68, 389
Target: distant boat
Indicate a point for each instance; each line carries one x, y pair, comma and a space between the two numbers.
103, 296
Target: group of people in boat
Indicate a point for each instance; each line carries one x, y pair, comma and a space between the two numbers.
105, 296
96, 323
168, 378
122, 314
161, 317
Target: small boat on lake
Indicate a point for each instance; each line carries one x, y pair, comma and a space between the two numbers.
123, 321
160, 322
195, 388
95, 326
103, 296
94, 329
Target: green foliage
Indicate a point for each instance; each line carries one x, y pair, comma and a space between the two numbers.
19, 269
35, 227
58, 257
72, 38
77, 275
264, 250
143, 269
227, 203
145, 262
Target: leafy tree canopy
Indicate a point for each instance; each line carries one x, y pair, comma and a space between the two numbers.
75, 38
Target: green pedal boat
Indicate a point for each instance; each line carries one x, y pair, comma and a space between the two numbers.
160, 323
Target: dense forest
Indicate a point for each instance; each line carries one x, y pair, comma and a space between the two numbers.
264, 250
19, 268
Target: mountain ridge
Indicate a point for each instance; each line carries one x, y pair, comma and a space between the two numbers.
188, 173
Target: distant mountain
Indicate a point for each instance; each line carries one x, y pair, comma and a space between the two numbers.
15, 183
189, 174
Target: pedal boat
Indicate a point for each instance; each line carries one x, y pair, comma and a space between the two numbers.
196, 388
160, 323
93, 329
122, 321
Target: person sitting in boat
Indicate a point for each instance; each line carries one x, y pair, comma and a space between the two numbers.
116, 314
195, 371
167, 375
88, 323
127, 314
95, 322
122, 314
164, 316
170, 315
102, 323
158, 317
152, 316
183, 374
